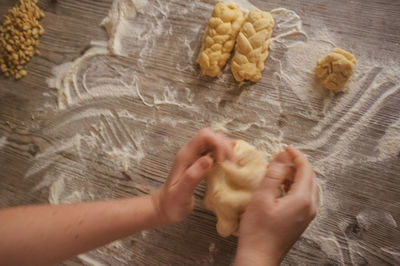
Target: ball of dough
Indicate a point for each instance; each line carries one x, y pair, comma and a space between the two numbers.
335, 69
230, 186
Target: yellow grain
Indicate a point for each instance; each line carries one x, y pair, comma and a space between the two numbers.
19, 37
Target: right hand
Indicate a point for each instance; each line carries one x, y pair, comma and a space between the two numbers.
271, 224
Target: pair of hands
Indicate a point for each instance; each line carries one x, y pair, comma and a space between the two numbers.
271, 224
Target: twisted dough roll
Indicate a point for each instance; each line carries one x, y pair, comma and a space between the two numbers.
252, 44
230, 187
219, 38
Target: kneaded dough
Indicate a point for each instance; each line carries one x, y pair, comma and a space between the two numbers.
230, 186
252, 44
335, 69
219, 38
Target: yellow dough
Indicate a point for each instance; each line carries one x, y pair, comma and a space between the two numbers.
230, 186
252, 44
219, 38
335, 69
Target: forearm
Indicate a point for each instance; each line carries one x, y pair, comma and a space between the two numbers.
45, 234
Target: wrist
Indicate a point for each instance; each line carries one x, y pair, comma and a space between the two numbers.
159, 212
248, 255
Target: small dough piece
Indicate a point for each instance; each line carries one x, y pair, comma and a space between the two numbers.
252, 45
335, 69
230, 187
219, 38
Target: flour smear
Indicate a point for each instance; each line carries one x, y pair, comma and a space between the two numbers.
115, 103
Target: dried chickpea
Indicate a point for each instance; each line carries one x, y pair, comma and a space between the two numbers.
19, 37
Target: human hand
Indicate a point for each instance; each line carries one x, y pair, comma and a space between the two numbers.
272, 223
174, 201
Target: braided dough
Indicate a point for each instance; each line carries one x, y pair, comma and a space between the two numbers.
219, 38
252, 44
230, 186
335, 69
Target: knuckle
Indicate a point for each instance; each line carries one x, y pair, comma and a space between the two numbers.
269, 213
190, 175
205, 132
313, 212
258, 200
261, 204
305, 204
181, 153
220, 135
275, 170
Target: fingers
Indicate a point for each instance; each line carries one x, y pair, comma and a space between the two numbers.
283, 157
304, 177
228, 144
193, 175
204, 142
217, 143
303, 194
316, 198
277, 172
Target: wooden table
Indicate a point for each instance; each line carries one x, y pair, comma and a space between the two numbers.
45, 150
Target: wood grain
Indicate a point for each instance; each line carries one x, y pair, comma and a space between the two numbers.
30, 129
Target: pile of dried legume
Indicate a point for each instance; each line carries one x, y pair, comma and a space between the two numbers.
19, 37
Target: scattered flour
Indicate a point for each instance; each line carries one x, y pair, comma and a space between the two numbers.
65, 80
389, 144
102, 74
244, 5
3, 142
368, 218
57, 193
90, 261
331, 246
116, 23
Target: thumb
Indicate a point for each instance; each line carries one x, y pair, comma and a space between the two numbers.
277, 172
194, 174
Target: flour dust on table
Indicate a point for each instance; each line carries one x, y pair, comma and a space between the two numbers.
139, 95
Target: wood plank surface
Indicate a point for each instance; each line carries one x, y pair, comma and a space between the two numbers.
41, 145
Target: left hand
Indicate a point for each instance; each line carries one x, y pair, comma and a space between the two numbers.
174, 201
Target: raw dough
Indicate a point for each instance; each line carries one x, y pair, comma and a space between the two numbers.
335, 69
252, 44
230, 187
219, 38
